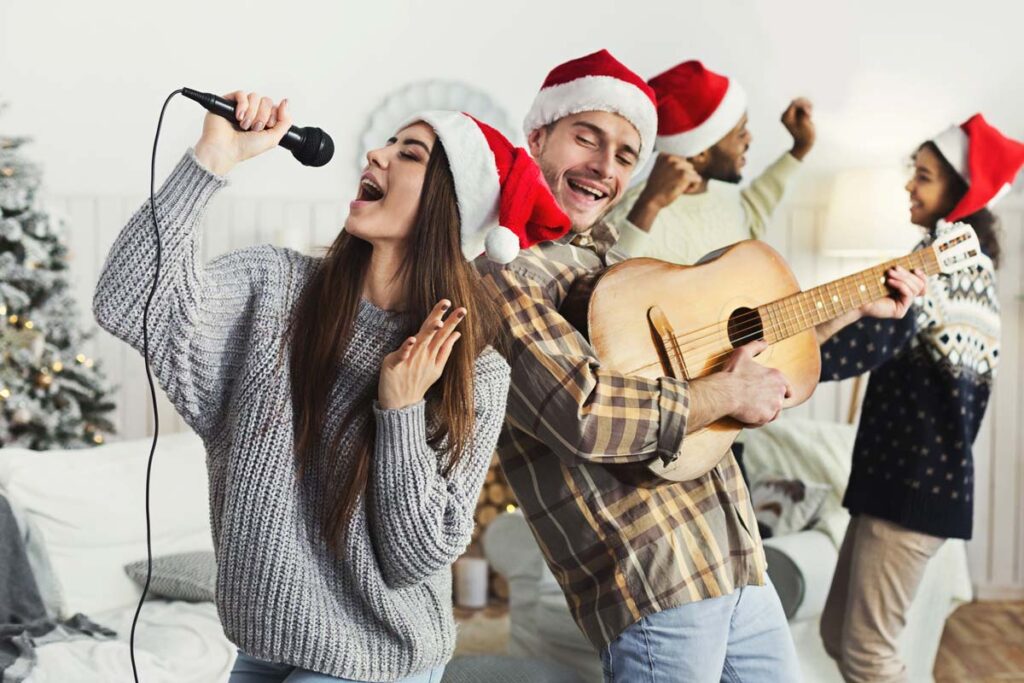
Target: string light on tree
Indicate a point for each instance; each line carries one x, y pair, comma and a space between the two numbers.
46, 401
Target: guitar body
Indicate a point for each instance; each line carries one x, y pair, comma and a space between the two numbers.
628, 302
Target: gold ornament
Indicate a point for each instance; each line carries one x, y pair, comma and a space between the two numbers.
80, 358
6, 171
57, 366
44, 379
97, 439
12, 319
3, 310
5, 393
29, 324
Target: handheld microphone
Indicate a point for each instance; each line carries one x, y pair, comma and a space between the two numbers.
311, 146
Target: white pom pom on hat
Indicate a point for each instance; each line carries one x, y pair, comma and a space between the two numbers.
501, 245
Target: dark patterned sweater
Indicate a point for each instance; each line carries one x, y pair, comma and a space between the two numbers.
931, 375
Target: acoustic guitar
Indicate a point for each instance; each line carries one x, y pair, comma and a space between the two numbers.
654, 319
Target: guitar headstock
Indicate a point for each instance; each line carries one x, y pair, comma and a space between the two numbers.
956, 248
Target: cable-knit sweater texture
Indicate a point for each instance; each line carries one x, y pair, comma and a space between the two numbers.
380, 609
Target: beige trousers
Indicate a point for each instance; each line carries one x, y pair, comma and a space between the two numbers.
879, 569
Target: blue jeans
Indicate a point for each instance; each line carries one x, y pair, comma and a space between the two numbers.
251, 670
737, 638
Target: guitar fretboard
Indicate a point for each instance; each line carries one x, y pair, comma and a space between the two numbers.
805, 310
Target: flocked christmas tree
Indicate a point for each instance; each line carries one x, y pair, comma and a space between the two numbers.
51, 394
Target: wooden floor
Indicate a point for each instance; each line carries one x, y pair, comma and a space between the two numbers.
983, 643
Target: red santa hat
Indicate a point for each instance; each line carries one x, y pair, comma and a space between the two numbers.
504, 203
696, 108
987, 160
596, 82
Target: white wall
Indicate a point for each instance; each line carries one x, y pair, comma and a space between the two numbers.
86, 79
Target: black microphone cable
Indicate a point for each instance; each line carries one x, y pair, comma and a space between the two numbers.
149, 377
312, 147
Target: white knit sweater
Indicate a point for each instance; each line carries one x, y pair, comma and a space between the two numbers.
697, 224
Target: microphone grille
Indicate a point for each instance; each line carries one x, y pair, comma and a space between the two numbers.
317, 147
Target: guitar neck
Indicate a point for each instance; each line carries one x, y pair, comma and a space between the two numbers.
802, 311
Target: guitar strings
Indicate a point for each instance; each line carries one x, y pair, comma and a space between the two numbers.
790, 310
787, 313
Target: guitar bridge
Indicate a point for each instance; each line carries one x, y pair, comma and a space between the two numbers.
665, 342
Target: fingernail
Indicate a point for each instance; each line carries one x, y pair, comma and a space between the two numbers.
462, 314
446, 305
258, 127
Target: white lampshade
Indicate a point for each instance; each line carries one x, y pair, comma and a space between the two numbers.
869, 215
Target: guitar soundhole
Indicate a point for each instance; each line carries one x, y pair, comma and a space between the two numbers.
744, 327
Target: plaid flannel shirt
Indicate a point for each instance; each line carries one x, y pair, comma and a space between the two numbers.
621, 542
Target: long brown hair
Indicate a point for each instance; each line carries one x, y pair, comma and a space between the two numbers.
984, 222
433, 269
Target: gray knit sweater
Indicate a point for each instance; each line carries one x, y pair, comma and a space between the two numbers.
380, 612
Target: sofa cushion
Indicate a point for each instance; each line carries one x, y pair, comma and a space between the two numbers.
88, 506
808, 450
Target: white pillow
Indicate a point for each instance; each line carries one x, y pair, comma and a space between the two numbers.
89, 507
808, 450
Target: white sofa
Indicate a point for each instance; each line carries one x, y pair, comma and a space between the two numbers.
82, 514
541, 625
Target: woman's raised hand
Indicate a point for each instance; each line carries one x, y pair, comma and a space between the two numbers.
263, 125
407, 372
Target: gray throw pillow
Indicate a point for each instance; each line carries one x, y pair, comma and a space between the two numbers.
182, 576
505, 669
787, 579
